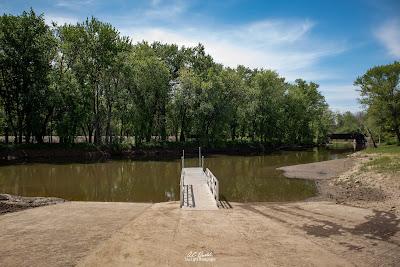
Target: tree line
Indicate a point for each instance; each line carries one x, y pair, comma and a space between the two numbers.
85, 79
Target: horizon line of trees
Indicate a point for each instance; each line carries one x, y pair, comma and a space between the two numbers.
86, 79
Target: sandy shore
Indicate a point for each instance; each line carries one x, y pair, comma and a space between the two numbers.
258, 234
345, 181
319, 170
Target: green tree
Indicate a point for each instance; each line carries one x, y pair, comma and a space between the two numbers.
269, 90
174, 57
380, 93
91, 50
181, 109
307, 116
347, 123
149, 88
27, 48
85, 79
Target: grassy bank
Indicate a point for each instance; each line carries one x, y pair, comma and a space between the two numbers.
386, 158
384, 149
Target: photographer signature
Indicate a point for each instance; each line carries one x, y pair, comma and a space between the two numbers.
200, 256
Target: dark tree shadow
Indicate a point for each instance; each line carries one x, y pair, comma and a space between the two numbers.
380, 226
325, 230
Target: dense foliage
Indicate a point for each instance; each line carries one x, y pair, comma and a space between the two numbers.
87, 80
380, 92
349, 122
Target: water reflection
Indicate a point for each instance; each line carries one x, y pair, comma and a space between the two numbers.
242, 178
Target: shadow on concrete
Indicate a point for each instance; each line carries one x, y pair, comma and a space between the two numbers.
224, 203
379, 226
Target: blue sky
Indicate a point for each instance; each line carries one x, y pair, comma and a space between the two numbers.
328, 42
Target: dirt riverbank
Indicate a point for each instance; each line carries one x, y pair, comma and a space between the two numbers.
10, 203
348, 181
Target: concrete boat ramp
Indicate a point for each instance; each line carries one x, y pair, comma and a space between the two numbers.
163, 234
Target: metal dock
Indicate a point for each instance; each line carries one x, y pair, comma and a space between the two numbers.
199, 188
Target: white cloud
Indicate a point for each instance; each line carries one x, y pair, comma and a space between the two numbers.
341, 97
389, 35
274, 44
343, 108
73, 4
161, 10
155, 2
277, 31
340, 92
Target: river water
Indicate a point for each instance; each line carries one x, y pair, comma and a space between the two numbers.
241, 178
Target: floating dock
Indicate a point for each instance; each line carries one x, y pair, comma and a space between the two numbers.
199, 188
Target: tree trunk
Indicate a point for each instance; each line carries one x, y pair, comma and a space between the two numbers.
90, 133
84, 133
6, 134
398, 136
148, 137
20, 137
163, 123
10, 124
108, 134
372, 138
183, 124
182, 136
19, 126
28, 138
233, 132
39, 139
121, 131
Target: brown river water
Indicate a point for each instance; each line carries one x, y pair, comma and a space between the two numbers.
241, 178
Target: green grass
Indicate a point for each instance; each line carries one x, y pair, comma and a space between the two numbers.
383, 164
388, 161
384, 149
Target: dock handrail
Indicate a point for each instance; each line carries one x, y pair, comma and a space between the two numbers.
213, 184
181, 188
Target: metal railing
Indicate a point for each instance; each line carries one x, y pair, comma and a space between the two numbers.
183, 159
213, 184
212, 181
181, 187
